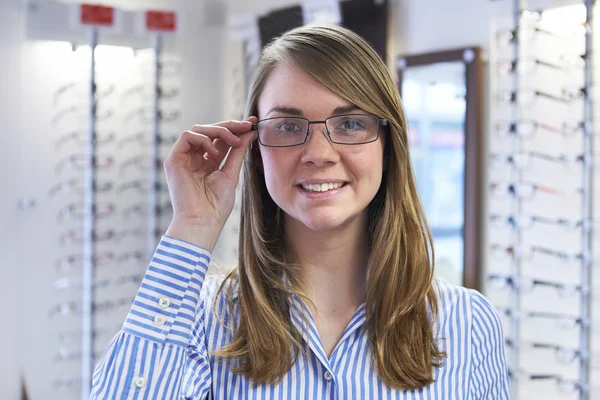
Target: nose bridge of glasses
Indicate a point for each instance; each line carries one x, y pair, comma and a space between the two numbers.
324, 130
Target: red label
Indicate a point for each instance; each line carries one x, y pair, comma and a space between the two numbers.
165, 21
97, 15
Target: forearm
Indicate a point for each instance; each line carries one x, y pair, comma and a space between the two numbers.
155, 337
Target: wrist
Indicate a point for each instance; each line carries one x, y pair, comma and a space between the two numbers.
204, 234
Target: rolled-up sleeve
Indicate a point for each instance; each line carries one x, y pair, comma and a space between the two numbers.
157, 354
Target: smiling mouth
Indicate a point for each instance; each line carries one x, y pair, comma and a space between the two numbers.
324, 188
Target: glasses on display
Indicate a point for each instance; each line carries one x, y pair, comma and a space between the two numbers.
80, 137
70, 283
526, 221
81, 89
167, 68
64, 354
68, 337
136, 232
147, 115
144, 91
77, 210
81, 161
142, 209
74, 307
76, 237
507, 38
350, 129
530, 66
529, 98
502, 252
141, 161
144, 139
135, 256
526, 159
72, 261
525, 190
563, 385
563, 321
102, 116
528, 285
76, 186
563, 355
529, 128
142, 186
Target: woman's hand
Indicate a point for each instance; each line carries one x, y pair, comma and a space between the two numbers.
203, 193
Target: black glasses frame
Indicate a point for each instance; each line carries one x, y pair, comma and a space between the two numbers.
380, 122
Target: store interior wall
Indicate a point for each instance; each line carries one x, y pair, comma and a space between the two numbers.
417, 26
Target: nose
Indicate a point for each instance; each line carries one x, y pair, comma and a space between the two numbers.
318, 149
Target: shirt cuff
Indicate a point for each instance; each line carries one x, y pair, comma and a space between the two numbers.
165, 306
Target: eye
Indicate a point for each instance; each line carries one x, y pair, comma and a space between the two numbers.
288, 127
352, 125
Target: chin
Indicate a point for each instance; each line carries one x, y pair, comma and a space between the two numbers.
322, 222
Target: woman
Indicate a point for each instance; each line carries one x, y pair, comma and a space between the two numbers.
333, 295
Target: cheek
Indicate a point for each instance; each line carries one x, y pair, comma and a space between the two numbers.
275, 170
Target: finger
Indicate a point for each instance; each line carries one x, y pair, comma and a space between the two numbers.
233, 165
228, 131
190, 141
223, 149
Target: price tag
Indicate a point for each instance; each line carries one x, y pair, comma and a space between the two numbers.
106, 19
161, 21
96, 15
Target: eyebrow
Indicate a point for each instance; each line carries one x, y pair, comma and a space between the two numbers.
298, 112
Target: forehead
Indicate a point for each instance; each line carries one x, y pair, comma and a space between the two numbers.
290, 86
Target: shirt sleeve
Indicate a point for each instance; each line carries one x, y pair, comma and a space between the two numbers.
157, 354
489, 374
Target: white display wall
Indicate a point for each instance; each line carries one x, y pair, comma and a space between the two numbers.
52, 152
536, 275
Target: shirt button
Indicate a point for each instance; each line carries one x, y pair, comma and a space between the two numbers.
164, 302
159, 320
328, 376
140, 382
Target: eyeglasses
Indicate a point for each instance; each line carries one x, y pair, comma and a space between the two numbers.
342, 129
564, 385
528, 128
562, 321
530, 65
563, 355
504, 253
528, 285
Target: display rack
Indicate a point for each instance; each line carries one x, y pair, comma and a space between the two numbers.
541, 191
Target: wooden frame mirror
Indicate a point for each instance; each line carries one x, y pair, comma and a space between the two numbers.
442, 93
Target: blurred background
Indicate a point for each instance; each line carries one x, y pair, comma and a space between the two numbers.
500, 102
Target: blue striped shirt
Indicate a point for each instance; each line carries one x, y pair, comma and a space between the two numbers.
162, 350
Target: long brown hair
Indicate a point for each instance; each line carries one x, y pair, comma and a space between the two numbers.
401, 303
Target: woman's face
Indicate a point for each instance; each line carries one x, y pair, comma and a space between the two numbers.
289, 91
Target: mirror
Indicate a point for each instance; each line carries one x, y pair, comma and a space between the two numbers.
442, 96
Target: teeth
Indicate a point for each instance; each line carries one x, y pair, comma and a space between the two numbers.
322, 187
